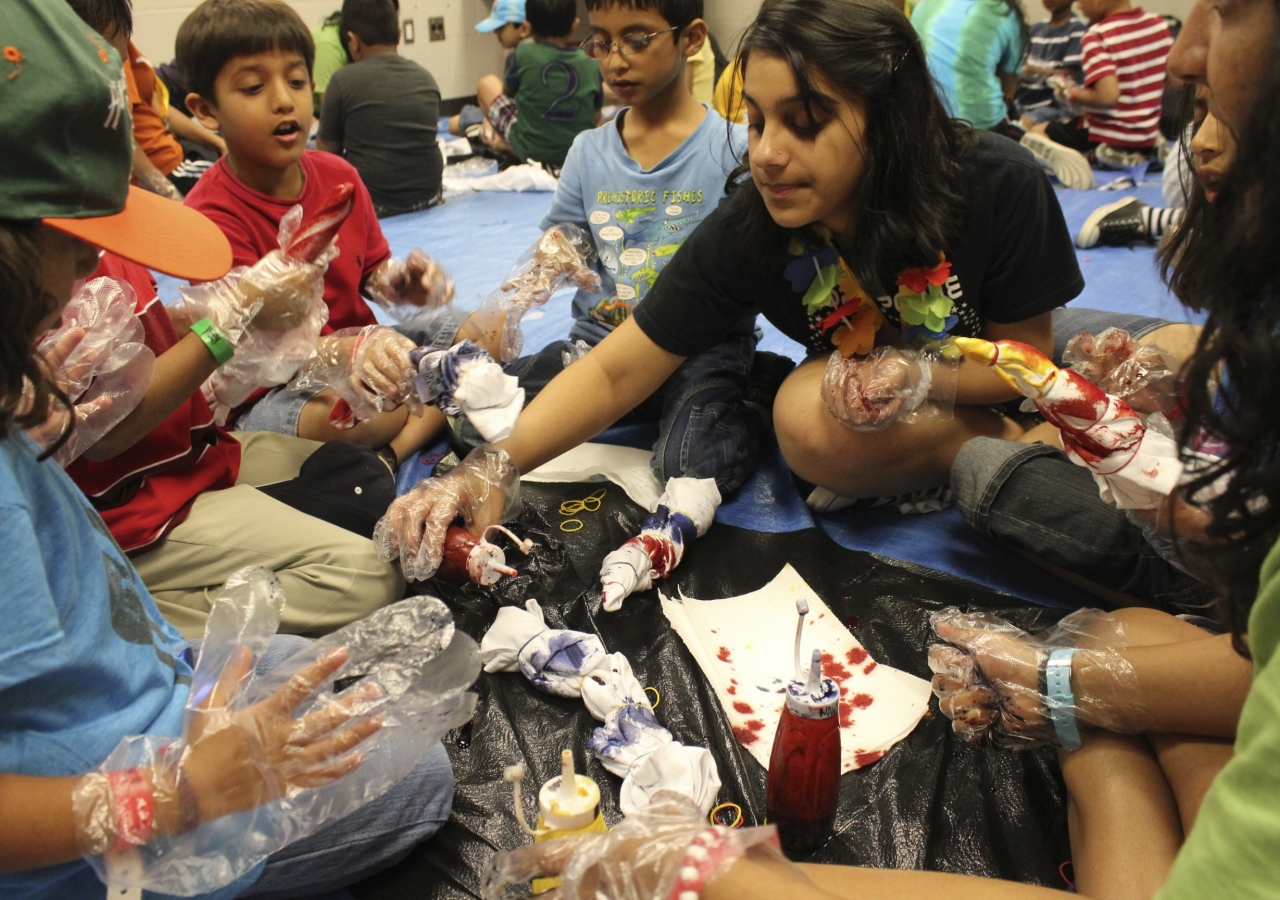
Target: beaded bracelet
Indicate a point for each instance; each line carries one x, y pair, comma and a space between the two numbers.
706, 853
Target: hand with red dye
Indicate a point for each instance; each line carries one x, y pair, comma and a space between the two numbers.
404, 287
868, 393
1142, 375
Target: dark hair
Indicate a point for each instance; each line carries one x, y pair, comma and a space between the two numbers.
678, 13
912, 192
550, 18
24, 303
217, 31
1182, 236
101, 15
1228, 270
373, 21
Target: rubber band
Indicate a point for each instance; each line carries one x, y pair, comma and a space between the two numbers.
714, 815
657, 696
586, 504
564, 526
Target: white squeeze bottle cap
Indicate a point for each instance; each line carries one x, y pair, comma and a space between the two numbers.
570, 802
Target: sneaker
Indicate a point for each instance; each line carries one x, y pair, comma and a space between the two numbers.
1114, 158
1114, 225
935, 499
1070, 166
768, 371
821, 500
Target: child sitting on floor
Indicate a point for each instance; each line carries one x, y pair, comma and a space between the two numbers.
85, 658
1055, 50
506, 22
247, 63
381, 113
550, 91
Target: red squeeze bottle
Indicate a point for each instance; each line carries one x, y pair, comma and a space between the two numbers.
804, 769
466, 557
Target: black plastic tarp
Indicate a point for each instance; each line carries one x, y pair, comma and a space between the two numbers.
930, 803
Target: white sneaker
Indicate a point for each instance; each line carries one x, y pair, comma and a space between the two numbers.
1070, 166
821, 500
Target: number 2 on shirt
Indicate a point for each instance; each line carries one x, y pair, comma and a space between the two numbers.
554, 112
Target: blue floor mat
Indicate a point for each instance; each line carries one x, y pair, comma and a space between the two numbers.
478, 237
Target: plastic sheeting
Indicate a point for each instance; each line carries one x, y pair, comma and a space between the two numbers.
931, 802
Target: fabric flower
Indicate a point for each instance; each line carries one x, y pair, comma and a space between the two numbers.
857, 335
807, 262
918, 280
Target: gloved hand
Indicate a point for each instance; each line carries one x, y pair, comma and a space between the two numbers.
989, 677
655, 853
869, 393
1142, 375
405, 287
368, 368
484, 489
97, 358
1062, 85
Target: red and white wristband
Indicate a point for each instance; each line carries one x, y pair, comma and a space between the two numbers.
706, 853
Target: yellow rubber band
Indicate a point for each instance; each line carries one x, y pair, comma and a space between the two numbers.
657, 697
586, 504
713, 817
564, 526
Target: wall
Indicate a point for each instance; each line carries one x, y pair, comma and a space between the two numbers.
457, 62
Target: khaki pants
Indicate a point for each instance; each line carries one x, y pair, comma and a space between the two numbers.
331, 576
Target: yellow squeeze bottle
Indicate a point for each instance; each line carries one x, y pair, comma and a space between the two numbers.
568, 807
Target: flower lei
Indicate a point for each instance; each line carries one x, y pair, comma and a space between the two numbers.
826, 280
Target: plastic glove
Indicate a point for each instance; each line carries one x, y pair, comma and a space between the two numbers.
249, 741
484, 489
368, 368
988, 677
641, 858
405, 287
1142, 375
564, 253
97, 357
869, 393
1062, 85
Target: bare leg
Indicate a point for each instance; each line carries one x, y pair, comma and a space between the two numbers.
1122, 816
1179, 339
455, 124
489, 87
821, 449
416, 433
314, 425
1190, 764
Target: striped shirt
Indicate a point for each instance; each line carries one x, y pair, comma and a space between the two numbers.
1133, 46
1052, 47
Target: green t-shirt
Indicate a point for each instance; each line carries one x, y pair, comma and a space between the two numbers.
1234, 848
330, 56
557, 92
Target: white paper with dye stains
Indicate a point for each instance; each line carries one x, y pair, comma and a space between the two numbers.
745, 648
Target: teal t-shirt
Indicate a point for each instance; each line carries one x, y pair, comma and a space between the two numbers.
967, 42
557, 91
1232, 849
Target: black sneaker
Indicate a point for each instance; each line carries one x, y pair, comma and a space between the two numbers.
768, 371
1114, 225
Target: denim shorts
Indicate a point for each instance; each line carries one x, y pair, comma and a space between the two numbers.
281, 408
1068, 321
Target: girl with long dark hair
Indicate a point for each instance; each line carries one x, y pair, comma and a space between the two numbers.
1127, 840
868, 226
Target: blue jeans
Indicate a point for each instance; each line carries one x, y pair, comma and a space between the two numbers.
705, 430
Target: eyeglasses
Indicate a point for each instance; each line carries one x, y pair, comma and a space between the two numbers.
627, 45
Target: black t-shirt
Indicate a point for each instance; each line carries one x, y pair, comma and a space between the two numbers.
383, 111
1012, 259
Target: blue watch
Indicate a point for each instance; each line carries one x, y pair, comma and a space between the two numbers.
1060, 698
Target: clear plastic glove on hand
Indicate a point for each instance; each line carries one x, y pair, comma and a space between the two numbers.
988, 677
98, 358
889, 384
406, 287
484, 489
264, 760
1142, 375
644, 857
271, 312
563, 254
368, 368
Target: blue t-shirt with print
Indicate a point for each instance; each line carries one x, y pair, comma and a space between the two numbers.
637, 217
85, 658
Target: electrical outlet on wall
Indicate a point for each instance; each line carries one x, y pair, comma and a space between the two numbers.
406, 31
436, 27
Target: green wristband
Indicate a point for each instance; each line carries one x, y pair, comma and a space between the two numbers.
217, 342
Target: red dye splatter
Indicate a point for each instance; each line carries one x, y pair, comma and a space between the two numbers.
833, 669
745, 708
733, 681
732, 689
715, 630
846, 713
755, 725
869, 667
661, 552
852, 622
822, 615
744, 735
862, 701
864, 758
856, 656
724, 655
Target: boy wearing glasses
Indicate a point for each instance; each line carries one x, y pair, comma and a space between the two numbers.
550, 91
640, 185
